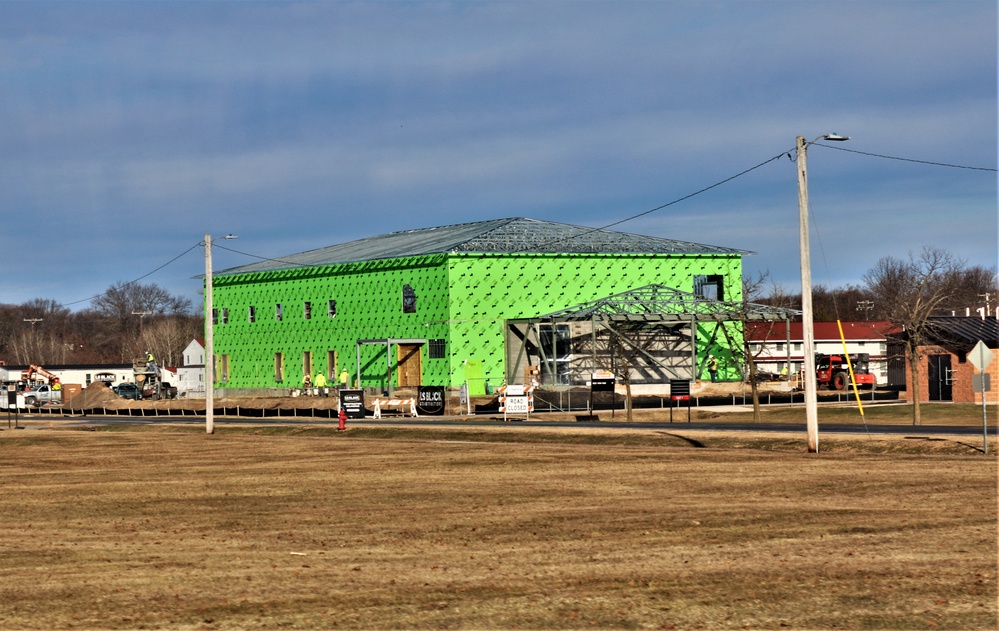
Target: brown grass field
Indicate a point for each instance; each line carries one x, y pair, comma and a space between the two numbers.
511, 527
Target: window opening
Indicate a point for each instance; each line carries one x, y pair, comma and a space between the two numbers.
408, 299
331, 309
307, 364
251, 314
331, 363
435, 349
709, 287
308, 310
278, 312
278, 366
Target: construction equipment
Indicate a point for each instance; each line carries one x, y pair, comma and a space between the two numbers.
148, 378
39, 375
833, 372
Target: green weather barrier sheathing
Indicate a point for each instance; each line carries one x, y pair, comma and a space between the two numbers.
461, 302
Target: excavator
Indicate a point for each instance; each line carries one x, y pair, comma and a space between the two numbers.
34, 372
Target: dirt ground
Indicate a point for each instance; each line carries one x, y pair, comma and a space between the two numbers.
309, 528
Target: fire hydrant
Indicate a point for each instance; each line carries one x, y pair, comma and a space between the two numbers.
343, 419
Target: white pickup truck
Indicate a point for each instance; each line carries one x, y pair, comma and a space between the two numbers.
40, 395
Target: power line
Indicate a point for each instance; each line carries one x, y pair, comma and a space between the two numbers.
927, 162
591, 230
132, 282
666, 205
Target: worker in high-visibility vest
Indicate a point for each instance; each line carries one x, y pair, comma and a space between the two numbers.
321, 383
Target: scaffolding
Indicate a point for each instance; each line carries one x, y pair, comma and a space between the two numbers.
647, 335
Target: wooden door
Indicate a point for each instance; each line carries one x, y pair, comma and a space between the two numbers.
410, 365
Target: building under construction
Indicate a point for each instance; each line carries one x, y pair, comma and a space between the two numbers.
475, 304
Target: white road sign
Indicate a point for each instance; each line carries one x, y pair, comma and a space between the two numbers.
980, 356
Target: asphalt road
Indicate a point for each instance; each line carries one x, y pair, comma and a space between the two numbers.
39, 421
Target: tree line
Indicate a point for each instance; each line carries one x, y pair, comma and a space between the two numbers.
122, 324
129, 319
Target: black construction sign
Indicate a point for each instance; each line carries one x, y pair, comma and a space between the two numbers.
431, 400
352, 401
679, 389
602, 382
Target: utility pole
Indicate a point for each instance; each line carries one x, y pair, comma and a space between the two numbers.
142, 317
210, 339
807, 325
988, 306
209, 342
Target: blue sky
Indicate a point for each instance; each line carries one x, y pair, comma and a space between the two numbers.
131, 129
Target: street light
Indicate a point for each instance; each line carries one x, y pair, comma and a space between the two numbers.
210, 338
807, 332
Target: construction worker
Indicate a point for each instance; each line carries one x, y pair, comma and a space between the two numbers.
712, 367
307, 384
321, 383
344, 379
151, 363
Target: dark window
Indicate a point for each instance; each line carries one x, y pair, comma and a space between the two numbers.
331, 309
436, 349
710, 287
252, 314
408, 299
278, 312
308, 311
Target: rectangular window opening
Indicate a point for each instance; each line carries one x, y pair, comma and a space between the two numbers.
408, 299
278, 366
436, 349
710, 287
307, 311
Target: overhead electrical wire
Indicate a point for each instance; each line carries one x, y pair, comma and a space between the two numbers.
132, 282
590, 230
927, 162
666, 205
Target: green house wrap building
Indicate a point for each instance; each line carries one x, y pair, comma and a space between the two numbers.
429, 306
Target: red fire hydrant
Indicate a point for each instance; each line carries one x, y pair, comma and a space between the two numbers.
343, 419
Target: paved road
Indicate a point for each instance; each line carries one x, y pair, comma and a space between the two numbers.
45, 421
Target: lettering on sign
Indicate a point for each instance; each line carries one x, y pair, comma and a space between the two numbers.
431, 400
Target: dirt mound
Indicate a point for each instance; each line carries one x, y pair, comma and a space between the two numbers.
95, 395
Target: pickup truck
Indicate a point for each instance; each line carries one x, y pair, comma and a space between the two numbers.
40, 395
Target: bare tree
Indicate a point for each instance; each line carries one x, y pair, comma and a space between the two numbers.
908, 292
127, 304
167, 337
752, 295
